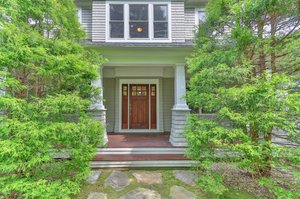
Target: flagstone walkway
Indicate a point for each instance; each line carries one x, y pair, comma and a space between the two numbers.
140, 184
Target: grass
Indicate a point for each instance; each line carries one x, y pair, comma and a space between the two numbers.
163, 189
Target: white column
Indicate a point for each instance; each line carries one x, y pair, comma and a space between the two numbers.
180, 109
97, 107
180, 87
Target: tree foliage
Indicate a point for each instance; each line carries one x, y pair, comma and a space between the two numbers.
245, 69
46, 135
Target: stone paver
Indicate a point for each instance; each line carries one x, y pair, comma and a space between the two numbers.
97, 195
187, 177
178, 192
147, 177
141, 193
118, 180
94, 176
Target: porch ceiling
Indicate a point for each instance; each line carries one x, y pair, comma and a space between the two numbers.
147, 56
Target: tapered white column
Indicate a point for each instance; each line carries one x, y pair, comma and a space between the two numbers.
97, 107
180, 87
180, 109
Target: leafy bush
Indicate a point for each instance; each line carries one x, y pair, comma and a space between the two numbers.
35, 132
212, 183
47, 138
276, 188
245, 69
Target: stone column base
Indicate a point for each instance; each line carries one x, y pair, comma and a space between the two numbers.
179, 119
100, 115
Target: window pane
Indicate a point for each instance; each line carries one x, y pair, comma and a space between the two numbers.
116, 29
138, 29
160, 12
138, 12
116, 12
201, 16
160, 29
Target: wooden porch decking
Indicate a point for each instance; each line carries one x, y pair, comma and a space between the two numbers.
136, 140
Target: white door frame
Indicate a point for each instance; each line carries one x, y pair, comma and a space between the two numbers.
138, 81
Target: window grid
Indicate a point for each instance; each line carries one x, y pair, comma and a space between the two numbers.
151, 22
161, 21
113, 22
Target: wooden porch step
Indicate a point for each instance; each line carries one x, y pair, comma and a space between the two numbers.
139, 157
112, 151
143, 164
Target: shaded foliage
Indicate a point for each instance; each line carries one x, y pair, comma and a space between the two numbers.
245, 70
46, 135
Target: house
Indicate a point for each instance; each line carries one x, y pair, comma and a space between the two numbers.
143, 84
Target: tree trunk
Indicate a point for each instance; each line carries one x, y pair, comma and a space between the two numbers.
265, 169
273, 43
262, 56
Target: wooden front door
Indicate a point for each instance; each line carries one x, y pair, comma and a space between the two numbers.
139, 106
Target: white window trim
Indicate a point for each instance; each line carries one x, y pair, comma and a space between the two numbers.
151, 38
196, 15
79, 14
139, 81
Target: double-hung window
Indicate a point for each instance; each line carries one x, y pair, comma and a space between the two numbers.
200, 16
160, 21
116, 23
137, 21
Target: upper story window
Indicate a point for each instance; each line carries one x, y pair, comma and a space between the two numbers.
200, 16
116, 22
136, 21
161, 21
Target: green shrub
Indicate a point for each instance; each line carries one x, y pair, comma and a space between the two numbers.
47, 138
212, 183
33, 133
245, 69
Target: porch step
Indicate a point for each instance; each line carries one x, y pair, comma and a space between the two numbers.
141, 164
141, 157
125, 151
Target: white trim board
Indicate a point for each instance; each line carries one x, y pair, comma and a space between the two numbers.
139, 81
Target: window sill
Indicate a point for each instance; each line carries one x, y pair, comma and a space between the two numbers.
139, 40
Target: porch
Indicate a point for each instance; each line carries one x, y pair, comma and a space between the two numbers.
143, 91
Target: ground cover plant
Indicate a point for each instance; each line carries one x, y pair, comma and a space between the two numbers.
245, 70
45, 78
163, 189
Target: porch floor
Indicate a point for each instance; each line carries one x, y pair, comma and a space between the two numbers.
137, 140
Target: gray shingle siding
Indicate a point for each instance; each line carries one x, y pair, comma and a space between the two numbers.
86, 21
189, 21
177, 20
99, 21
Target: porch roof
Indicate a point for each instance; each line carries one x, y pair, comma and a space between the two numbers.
142, 55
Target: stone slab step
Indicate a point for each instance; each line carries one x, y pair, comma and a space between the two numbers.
102, 151
141, 164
